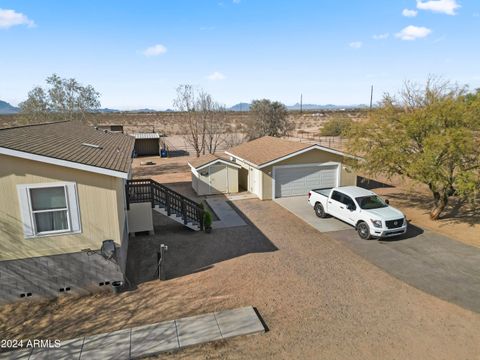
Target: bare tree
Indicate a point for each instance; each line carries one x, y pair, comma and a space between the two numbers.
205, 125
193, 128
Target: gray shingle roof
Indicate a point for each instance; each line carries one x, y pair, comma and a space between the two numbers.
71, 141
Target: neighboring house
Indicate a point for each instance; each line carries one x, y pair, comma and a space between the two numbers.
62, 193
110, 128
272, 167
214, 174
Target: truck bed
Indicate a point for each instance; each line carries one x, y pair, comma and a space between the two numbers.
323, 191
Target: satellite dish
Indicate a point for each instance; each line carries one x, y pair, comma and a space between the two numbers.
108, 249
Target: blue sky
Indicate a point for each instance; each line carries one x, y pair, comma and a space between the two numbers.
135, 53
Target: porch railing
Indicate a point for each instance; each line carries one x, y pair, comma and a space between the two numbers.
148, 190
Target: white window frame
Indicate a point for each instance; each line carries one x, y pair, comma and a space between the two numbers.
28, 214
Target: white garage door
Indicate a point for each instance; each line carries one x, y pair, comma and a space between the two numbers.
299, 180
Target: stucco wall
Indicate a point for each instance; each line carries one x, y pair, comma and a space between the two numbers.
100, 200
309, 157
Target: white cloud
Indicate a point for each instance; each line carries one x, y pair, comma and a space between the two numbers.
9, 18
356, 44
439, 6
413, 32
155, 50
409, 13
381, 36
215, 76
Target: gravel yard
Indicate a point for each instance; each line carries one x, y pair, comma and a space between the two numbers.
318, 299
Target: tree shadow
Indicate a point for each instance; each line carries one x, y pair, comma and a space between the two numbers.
371, 184
412, 232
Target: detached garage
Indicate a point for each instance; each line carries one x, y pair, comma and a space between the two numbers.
212, 174
275, 167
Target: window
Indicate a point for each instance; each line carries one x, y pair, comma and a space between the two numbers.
337, 196
49, 209
347, 200
371, 202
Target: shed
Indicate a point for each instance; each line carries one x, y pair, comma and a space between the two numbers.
214, 174
147, 144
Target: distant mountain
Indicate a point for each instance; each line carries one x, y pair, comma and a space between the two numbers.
240, 107
246, 107
6, 108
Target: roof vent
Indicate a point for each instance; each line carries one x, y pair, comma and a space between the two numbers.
92, 145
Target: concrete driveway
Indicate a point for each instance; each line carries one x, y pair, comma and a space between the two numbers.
424, 259
299, 206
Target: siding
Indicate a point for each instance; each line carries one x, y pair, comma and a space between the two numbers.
309, 157
100, 198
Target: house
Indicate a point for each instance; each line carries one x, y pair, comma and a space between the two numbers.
214, 174
271, 167
62, 193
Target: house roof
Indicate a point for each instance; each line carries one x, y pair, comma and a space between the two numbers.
208, 159
267, 150
68, 142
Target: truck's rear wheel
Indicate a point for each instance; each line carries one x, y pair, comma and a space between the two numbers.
320, 211
363, 231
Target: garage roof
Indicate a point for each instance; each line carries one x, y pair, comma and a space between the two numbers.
209, 159
268, 149
70, 144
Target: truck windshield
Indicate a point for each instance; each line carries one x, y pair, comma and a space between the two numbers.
370, 202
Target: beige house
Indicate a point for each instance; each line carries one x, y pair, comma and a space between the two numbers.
272, 167
62, 193
213, 174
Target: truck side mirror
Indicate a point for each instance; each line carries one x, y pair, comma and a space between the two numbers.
351, 207
387, 202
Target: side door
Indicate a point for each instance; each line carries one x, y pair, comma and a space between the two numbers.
335, 204
348, 210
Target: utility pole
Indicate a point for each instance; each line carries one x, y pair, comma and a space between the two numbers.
371, 97
301, 103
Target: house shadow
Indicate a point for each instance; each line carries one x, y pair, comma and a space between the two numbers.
191, 251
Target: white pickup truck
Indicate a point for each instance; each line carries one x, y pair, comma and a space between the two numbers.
366, 211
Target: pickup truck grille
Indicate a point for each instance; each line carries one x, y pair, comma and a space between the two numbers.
392, 224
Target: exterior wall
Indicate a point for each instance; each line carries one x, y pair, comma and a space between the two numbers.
309, 157
100, 199
201, 183
48, 266
140, 217
348, 176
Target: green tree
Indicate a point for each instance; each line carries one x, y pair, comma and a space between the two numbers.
336, 126
430, 134
62, 99
269, 118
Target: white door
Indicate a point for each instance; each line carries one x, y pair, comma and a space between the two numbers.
218, 179
299, 180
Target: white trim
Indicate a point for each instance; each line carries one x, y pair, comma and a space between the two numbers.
64, 163
313, 147
243, 160
213, 162
25, 204
330, 163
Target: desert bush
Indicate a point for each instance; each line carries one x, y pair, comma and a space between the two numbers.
336, 126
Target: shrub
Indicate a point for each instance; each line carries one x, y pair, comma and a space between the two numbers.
207, 220
336, 127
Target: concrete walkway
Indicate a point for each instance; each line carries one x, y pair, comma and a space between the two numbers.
151, 339
226, 215
299, 206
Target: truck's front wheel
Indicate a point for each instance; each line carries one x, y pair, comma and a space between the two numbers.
363, 231
320, 211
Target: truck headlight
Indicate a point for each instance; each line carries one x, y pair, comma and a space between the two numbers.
376, 223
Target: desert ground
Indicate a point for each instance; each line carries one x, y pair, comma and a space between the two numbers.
317, 297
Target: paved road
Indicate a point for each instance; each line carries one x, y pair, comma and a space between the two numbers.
429, 261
